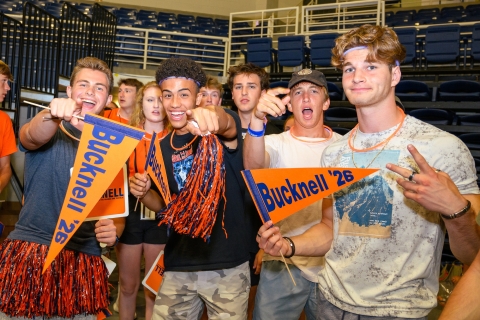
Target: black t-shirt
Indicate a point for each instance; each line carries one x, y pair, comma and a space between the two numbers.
183, 253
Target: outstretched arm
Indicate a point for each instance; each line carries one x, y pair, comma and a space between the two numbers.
43, 126
215, 120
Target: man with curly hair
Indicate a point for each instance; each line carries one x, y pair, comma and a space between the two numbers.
382, 237
75, 285
214, 273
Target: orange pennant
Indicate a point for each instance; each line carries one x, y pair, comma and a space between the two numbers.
153, 279
114, 201
104, 147
155, 167
279, 193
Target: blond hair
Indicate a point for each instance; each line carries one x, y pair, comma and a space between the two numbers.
138, 117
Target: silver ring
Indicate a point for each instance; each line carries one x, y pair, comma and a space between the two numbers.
438, 170
410, 178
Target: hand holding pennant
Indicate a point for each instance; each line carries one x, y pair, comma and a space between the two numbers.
155, 167
279, 193
104, 147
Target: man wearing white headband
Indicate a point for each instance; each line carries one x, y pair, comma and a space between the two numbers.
383, 248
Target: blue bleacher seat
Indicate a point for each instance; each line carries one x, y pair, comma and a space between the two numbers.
433, 116
166, 17
334, 91
276, 84
160, 48
222, 22
442, 44
408, 38
459, 90
149, 24
475, 45
412, 90
472, 140
132, 33
469, 120
187, 47
205, 20
124, 22
127, 11
342, 114
260, 52
213, 50
132, 46
291, 51
321, 49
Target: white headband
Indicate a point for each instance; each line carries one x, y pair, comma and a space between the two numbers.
397, 63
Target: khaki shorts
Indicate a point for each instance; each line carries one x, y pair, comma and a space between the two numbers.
224, 292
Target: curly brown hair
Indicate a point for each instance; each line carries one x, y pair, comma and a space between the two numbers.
138, 117
248, 69
181, 68
382, 43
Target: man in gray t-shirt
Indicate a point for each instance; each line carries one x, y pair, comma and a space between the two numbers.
76, 283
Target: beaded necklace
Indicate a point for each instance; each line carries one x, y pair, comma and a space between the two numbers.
353, 134
313, 141
181, 148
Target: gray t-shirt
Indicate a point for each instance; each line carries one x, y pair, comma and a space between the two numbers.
47, 174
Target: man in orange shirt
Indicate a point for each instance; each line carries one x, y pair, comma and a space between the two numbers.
7, 138
127, 93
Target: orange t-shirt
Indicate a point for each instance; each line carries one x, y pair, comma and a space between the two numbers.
114, 114
8, 145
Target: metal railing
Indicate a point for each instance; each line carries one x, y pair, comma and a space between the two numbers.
261, 23
146, 48
342, 16
103, 34
75, 39
40, 50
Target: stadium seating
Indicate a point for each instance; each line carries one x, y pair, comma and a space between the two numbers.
343, 114
433, 116
459, 90
292, 51
412, 90
321, 49
260, 52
